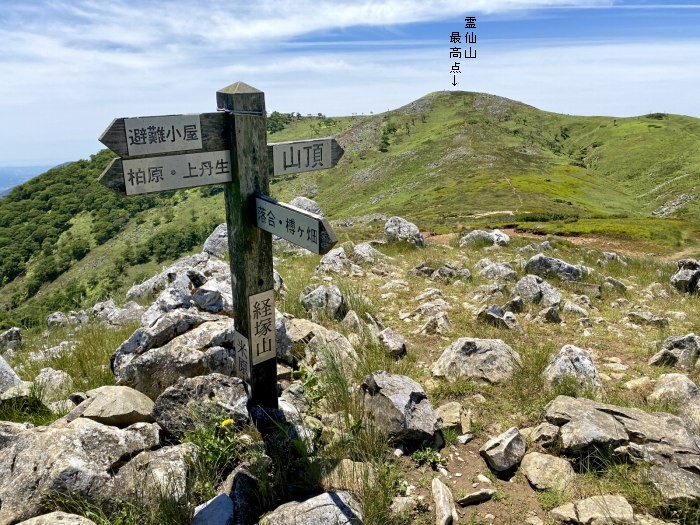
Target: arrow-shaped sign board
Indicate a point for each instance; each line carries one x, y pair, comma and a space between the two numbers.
305, 155
171, 172
298, 226
144, 136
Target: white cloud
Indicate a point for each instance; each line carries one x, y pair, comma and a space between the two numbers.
68, 68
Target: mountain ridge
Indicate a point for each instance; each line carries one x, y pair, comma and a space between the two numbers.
449, 161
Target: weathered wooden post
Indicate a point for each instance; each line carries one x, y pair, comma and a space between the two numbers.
250, 248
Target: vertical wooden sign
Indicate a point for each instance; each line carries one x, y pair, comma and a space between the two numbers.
250, 248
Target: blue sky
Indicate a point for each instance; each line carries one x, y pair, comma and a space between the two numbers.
68, 67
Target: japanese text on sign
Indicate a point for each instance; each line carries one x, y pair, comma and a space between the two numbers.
296, 227
462, 47
150, 135
242, 356
176, 171
262, 326
301, 156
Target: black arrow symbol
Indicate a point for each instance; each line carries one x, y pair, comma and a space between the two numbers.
454, 80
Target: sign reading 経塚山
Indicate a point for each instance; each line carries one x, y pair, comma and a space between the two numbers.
262, 325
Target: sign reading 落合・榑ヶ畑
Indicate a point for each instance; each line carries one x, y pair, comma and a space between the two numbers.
165, 134
293, 224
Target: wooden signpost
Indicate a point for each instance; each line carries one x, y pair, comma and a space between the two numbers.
230, 147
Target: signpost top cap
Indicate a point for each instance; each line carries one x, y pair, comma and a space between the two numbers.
240, 97
238, 88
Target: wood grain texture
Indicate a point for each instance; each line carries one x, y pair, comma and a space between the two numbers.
250, 248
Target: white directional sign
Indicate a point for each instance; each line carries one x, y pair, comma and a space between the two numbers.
305, 155
262, 326
240, 345
298, 226
174, 172
153, 135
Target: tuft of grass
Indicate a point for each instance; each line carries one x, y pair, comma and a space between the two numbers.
218, 451
29, 408
87, 363
429, 457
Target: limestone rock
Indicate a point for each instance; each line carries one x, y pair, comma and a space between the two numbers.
681, 351
572, 362
74, 457
393, 342
108, 313
325, 300
214, 296
499, 272
582, 425
574, 309
8, 377
187, 355
609, 509
307, 204
335, 261
674, 483
349, 475
364, 253
217, 511
198, 400
184, 271
504, 451
334, 507
397, 229
494, 237
673, 388
534, 289
487, 360
545, 434
171, 298
687, 277
549, 266
545, 472
449, 272
445, 511
216, 244
477, 497
451, 415
56, 320
156, 474
647, 318
399, 406
119, 406
58, 518
10, 339
165, 329
550, 314
53, 384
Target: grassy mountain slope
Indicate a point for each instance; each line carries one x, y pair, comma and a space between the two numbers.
448, 161
455, 155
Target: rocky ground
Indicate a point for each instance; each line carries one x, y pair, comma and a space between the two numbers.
495, 379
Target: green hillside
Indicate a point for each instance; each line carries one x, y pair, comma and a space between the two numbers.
448, 161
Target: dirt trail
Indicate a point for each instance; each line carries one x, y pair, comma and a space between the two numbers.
620, 246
